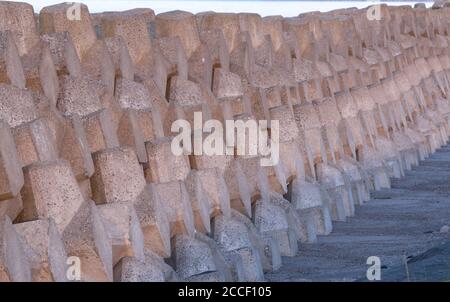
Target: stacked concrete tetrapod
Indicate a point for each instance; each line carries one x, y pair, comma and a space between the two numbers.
92, 189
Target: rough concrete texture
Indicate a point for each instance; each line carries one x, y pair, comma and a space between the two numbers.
121, 221
17, 105
87, 238
78, 96
34, 143
154, 221
44, 248
100, 131
151, 268
164, 166
20, 20
11, 180
87, 167
50, 191
118, 175
10, 63
75, 148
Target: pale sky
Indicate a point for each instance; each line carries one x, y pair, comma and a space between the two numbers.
264, 8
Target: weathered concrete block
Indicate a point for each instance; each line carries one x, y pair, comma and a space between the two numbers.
239, 188
272, 96
391, 156
218, 49
11, 69
19, 19
306, 195
97, 62
226, 85
55, 19
200, 201
78, 96
404, 144
14, 264
45, 249
260, 76
85, 188
121, 221
181, 24
177, 204
150, 123
200, 66
373, 163
64, 53
191, 257
290, 153
201, 162
176, 112
11, 207
335, 183
40, 73
118, 176
99, 130
224, 267
268, 248
273, 26
132, 95
330, 119
251, 167
154, 221
293, 218
48, 76
75, 149
233, 236
184, 92
11, 175
50, 191
226, 22
120, 56
252, 23
308, 121
34, 142
17, 105
423, 68
87, 238
271, 221
151, 268
174, 53
131, 134
288, 127
304, 70
215, 186
133, 27
357, 177
164, 166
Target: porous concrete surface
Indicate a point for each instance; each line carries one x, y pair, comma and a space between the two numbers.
88, 167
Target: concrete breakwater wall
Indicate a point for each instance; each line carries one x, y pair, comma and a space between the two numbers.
91, 188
